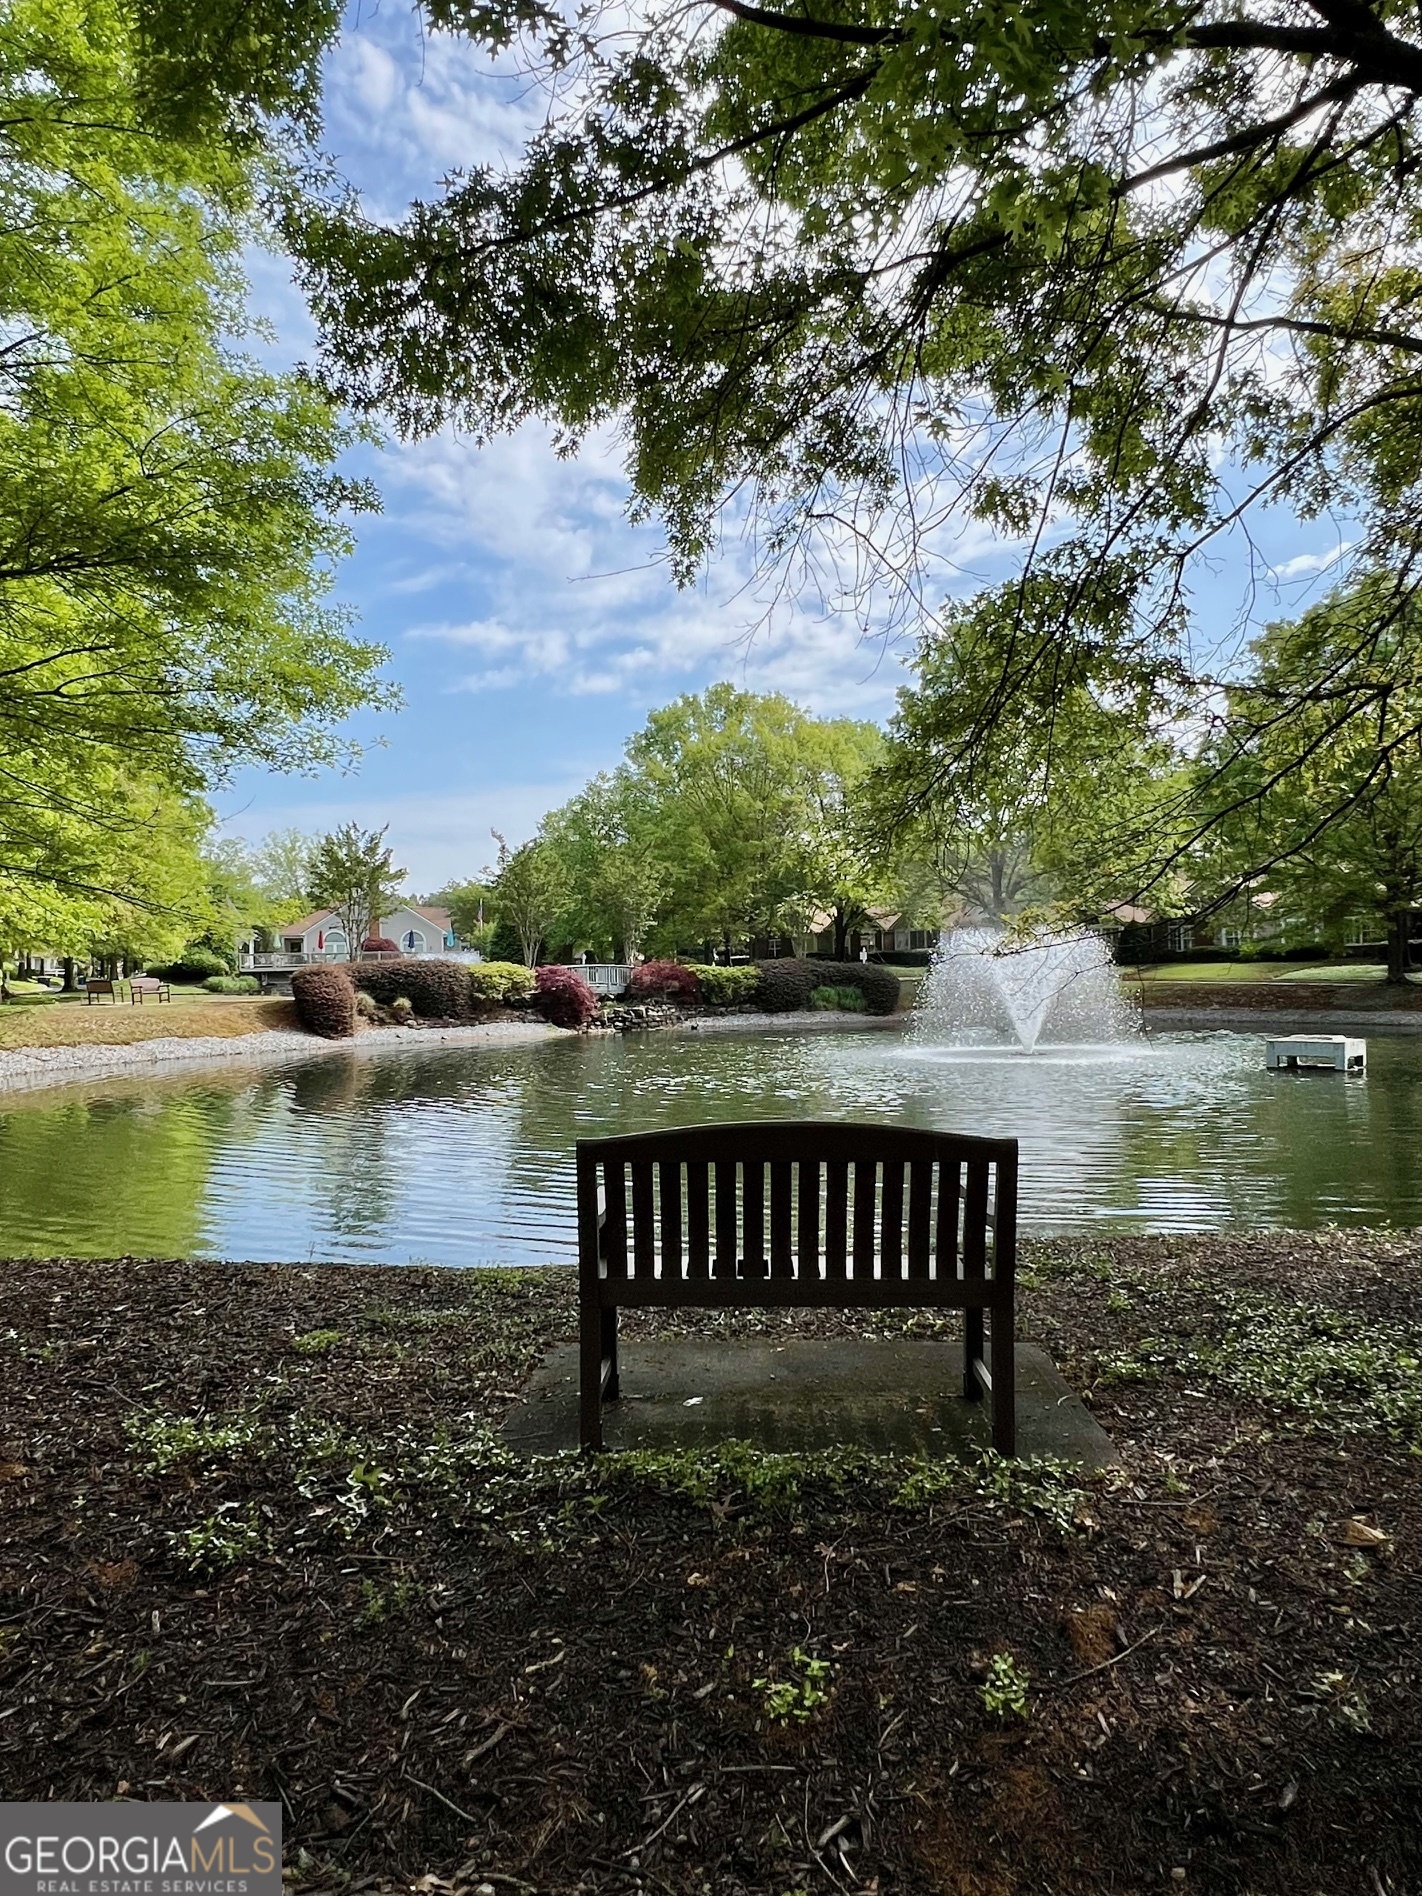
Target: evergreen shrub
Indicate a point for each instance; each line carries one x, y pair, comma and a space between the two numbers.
193, 965
325, 1000
564, 997
499, 983
837, 1000
436, 990
232, 984
787, 987
672, 979
729, 987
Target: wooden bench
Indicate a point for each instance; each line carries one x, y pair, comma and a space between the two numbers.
142, 984
799, 1215
94, 988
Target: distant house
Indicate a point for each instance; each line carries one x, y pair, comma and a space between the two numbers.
415, 929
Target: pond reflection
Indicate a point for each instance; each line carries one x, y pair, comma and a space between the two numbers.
463, 1155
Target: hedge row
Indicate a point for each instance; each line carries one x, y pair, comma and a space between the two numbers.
787, 987
433, 989
730, 987
232, 984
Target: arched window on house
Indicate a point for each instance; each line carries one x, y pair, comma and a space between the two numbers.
413, 942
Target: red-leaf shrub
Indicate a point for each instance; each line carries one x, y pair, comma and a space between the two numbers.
671, 978
564, 997
325, 1001
380, 945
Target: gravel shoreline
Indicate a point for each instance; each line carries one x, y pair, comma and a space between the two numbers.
25, 1068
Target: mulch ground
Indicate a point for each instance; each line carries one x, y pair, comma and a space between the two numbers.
257, 1539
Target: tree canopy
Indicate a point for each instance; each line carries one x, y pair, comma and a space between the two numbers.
170, 511
1109, 277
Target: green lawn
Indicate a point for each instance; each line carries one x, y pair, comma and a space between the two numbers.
1235, 971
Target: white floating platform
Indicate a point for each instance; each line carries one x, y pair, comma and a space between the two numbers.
1330, 1051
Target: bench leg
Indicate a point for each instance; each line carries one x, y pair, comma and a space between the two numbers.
590, 1376
1004, 1381
609, 1354
972, 1353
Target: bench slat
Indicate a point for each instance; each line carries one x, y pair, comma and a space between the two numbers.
975, 1221
891, 1221
753, 1219
782, 1256
698, 1218
945, 1244
807, 1235
726, 1221
669, 1193
920, 1218
866, 1173
836, 1219
614, 1224
644, 1230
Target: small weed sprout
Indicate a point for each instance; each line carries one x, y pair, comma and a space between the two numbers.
220, 1540
163, 1441
1004, 1691
378, 1605
795, 1700
317, 1342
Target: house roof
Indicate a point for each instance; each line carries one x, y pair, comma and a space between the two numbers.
307, 922
438, 916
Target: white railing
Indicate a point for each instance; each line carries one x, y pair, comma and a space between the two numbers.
279, 961
604, 977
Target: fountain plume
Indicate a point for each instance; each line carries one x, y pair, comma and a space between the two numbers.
987, 988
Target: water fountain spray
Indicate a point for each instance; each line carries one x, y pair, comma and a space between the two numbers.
987, 988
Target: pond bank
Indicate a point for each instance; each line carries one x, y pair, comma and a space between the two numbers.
258, 1542
25, 1067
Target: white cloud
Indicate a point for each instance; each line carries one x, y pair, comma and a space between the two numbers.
1306, 565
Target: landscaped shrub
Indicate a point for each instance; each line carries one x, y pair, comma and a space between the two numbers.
729, 987
672, 979
785, 987
879, 986
564, 997
192, 966
499, 983
436, 990
837, 1000
325, 1000
380, 945
232, 984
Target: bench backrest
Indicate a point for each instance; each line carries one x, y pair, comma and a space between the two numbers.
820, 1202
99, 987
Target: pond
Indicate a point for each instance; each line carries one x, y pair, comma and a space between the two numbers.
463, 1155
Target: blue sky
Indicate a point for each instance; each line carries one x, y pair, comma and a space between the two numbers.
531, 626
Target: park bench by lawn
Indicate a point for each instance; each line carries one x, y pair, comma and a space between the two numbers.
145, 984
799, 1215
94, 988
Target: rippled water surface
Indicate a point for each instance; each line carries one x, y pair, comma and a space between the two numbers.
464, 1156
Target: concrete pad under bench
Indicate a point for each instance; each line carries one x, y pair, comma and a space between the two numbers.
896, 1396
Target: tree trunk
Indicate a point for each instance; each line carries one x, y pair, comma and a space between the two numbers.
841, 935
71, 986
1399, 927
